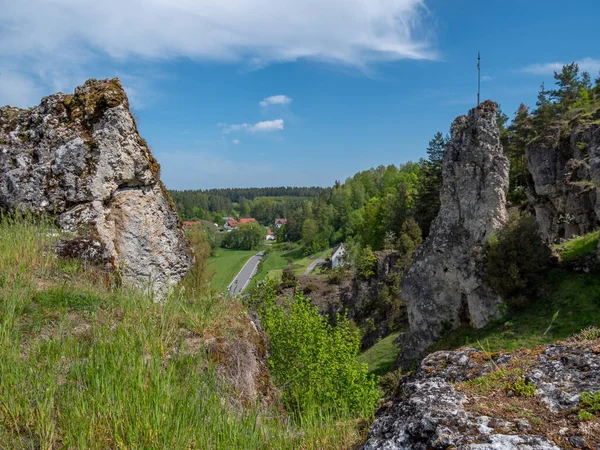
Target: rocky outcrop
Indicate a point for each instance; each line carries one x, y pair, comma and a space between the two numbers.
476, 400
443, 288
80, 159
564, 164
370, 303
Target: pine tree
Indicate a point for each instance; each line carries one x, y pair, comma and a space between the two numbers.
428, 199
545, 112
520, 132
568, 86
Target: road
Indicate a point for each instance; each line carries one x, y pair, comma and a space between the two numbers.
242, 279
312, 265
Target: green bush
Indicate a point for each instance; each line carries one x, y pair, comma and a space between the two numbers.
313, 363
337, 275
516, 258
366, 263
288, 277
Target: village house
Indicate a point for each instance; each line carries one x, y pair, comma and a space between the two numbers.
338, 256
280, 222
190, 224
270, 236
231, 224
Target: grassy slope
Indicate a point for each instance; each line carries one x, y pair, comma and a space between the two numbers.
87, 366
576, 298
225, 265
381, 356
276, 260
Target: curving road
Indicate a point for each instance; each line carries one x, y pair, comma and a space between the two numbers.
244, 276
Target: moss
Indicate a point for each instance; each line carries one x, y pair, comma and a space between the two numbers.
92, 99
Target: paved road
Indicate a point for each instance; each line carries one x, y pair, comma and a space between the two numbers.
244, 276
312, 265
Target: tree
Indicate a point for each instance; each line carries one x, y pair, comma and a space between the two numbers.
516, 258
366, 262
520, 132
246, 237
428, 198
568, 86
408, 242
545, 111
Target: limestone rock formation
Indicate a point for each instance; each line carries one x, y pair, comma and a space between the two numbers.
443, 288
564, 164
80, 158
439, 407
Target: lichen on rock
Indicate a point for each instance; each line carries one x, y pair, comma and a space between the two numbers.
463, 400
443, 288
79, 158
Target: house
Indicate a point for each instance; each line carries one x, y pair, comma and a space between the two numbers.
188, 225
280, 222
338, 256
270, 236
231, 224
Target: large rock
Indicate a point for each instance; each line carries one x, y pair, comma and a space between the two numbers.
443, 288
564, 164
467, 400
80, 158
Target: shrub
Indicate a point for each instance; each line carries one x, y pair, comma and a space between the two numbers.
366, 263
336, 276
288, 277
310, 287
516, 258
313, 363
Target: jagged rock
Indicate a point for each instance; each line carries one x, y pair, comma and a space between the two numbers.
564, 164
80, 158
361, 299
434, 408
443, 288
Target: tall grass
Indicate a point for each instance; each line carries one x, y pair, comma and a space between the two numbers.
83, 366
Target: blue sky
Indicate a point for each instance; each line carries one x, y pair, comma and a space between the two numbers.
345, 84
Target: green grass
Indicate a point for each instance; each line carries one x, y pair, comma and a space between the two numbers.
85, 365
276, 260
225, 265
578, 247
576, 297
381, 356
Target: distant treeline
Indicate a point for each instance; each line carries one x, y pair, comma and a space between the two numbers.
264, 204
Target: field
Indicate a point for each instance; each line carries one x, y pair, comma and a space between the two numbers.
225, 265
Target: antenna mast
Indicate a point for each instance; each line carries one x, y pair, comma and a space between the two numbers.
478, 77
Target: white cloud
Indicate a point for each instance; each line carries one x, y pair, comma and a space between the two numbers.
487, 78
56, 42
275, 100
591, 65
259, 127
235, 141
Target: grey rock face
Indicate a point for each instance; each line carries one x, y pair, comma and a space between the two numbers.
80, 158
564, 164
431, 411
443, 288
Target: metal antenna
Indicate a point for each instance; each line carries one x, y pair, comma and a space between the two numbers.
478, 77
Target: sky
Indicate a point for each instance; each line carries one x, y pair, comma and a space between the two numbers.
241, 93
